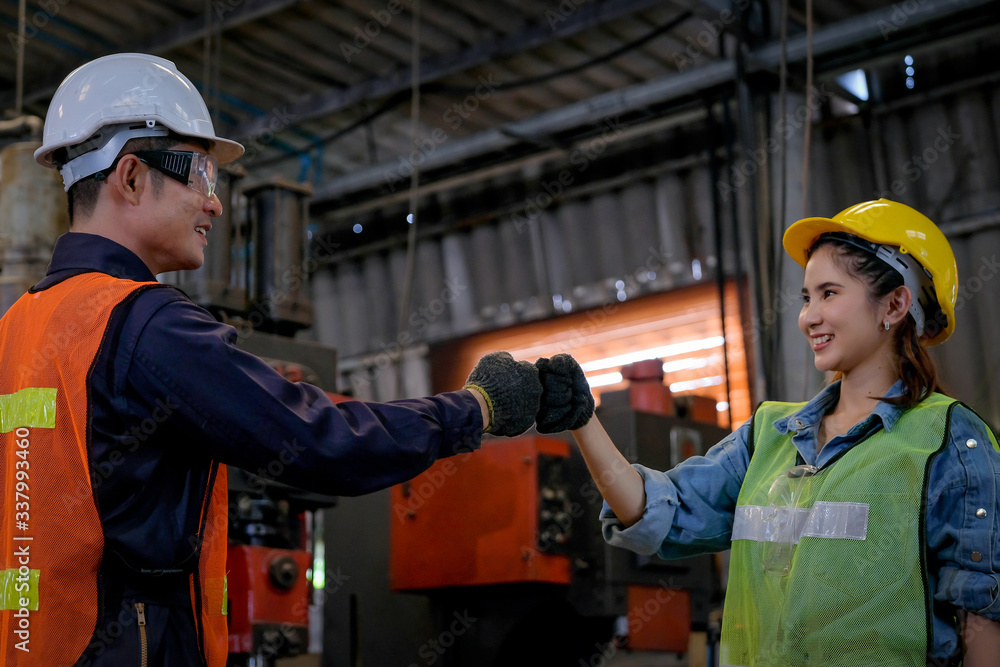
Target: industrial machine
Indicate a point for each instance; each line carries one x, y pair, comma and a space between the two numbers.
510, 536
258, 282
256, 278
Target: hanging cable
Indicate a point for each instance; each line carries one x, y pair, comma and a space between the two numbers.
411, 237
206, 55
774, 351
782, 102
211, 46
711, 135
217, 68
806, 144
809, 93
21, 27
573, 69
436, 87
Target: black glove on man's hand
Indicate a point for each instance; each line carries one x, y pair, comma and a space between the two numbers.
511, 389
567, 403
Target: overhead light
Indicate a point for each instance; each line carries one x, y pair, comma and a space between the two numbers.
688, 385
604, 379
856, 83
685, 364
654, 353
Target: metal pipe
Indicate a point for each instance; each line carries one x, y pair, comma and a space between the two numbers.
19, 86
715, 168
26, 127
476, 175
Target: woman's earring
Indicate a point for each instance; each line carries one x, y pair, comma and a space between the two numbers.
886, 323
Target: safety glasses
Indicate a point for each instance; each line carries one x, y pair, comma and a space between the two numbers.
198, 171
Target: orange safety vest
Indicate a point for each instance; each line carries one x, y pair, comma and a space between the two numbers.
51, 555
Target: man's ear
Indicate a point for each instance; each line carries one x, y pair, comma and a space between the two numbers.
897, 304
129, 178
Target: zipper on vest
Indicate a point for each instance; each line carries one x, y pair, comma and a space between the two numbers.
140, 610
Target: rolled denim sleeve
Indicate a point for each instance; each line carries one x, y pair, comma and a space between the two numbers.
963, 518
689, 508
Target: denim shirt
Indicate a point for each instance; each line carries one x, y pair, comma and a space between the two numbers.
689, 509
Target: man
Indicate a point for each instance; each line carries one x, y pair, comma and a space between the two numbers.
115, 530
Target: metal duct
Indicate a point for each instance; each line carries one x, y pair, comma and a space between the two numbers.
279, 275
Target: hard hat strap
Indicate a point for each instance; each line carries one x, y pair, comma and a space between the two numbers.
107, 143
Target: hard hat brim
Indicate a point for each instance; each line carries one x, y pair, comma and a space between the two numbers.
801, 235
225, 150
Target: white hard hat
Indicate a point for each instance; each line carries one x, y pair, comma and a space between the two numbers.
104, 103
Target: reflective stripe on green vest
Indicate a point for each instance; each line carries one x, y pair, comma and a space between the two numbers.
855, 590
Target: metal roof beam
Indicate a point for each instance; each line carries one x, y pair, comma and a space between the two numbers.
875, 26
226, 15
558, 26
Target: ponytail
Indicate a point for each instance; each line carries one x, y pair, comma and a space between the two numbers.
914, 366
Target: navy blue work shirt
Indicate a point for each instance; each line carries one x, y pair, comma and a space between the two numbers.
690, 508
170, 392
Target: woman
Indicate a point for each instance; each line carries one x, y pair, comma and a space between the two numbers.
863, 523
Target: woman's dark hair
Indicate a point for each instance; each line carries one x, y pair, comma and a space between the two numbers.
913, 364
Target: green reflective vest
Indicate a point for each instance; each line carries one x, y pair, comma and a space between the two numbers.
830, 569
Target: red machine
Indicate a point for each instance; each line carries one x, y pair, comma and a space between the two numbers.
269, 556
505, 505
268, 600
510, 534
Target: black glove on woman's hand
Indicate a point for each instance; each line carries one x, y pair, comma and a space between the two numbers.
567, 403
511, 389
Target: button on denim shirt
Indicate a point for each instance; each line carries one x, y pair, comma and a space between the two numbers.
689, 509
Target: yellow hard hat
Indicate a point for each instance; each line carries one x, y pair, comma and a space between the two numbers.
890, 223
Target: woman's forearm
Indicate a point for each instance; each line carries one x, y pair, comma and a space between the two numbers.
981, 639
619, 483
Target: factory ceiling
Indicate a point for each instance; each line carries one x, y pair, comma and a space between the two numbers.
323, 92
